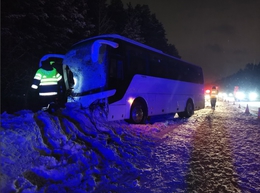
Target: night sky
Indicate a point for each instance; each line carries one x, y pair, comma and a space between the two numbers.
222, 36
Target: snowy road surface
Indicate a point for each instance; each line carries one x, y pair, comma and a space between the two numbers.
211, 152
75, 151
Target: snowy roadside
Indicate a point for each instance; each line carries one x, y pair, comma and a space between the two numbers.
210, 152
71, 151
76, 151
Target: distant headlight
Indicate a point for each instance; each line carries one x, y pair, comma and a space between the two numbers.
240, 95
252, 96
222, 95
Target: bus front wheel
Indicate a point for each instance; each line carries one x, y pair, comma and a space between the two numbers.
189, 110
138, 113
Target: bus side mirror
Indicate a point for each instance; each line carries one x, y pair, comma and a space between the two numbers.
95, 49
47, 56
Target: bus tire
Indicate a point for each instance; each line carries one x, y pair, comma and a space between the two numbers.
138, 113
189, 110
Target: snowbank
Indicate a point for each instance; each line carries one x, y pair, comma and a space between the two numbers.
71, 151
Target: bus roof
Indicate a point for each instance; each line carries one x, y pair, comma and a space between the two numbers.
116, 36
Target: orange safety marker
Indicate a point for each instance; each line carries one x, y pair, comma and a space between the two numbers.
247, 110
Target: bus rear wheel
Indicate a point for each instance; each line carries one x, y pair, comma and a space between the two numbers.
138, 113
189, 110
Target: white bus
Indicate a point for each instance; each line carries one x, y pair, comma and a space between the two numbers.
134, 80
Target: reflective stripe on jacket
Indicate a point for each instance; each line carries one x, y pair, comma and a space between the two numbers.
47, 81
213, 93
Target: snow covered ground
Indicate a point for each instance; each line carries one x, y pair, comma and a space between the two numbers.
253, 106
76, 150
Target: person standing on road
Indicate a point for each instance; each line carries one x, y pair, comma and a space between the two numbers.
213, 97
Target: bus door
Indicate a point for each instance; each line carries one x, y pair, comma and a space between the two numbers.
116, 77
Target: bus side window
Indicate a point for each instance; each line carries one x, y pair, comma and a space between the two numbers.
193, 74
164, 68
130, 68
186, 73
116, 69
120, 74
154, 66
112, 69
138, 62
140, 66
199, 76
172, 70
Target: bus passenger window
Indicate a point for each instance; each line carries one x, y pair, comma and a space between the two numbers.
120, 74
116, 69
112, 70
140, 66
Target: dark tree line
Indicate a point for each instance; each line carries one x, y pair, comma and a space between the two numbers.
247, 79
31, 29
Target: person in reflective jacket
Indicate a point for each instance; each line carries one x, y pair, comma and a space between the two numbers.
213, 97
46, 80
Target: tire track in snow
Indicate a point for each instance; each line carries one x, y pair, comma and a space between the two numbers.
101, 157
51, 133
211, 160
195, 156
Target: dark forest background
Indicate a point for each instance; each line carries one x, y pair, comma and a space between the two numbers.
31, 29
247, 79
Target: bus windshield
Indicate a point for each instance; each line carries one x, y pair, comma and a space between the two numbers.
88, 76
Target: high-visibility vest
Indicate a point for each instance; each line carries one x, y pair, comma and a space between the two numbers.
213, 93
47, 81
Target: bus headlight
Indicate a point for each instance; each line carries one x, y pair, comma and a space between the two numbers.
252, 96
75, 81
